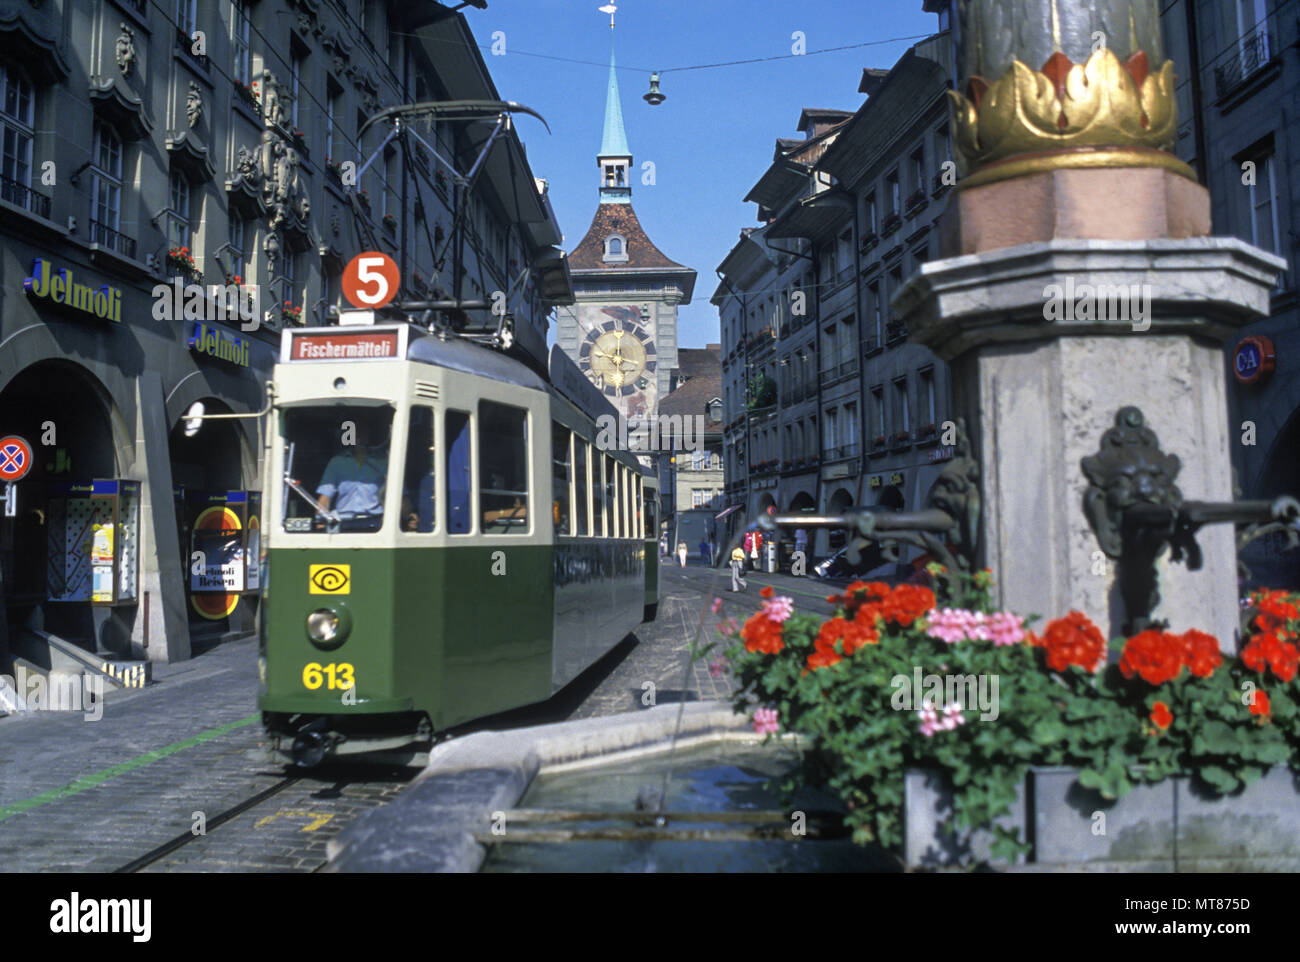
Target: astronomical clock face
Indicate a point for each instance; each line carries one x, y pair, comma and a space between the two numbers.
619, 357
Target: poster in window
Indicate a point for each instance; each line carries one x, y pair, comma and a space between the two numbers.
217, 551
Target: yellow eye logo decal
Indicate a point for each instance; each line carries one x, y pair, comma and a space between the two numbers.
330, 579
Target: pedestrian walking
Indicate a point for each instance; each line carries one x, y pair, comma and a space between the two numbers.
801, 541
681, 552
738, 569
704, 551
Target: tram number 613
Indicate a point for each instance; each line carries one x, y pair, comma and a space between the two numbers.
333, 677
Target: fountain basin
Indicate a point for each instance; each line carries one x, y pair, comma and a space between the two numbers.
448, 817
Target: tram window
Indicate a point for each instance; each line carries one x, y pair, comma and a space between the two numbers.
337, 458
611, 507
599, 516
651, 516
629, 527
560, 439
503, 468
625, 529
640, 512
417, 484
458, 472
581, 508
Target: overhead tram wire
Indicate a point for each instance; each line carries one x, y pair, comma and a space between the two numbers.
698, 66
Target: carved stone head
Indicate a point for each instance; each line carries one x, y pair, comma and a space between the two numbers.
1129, 469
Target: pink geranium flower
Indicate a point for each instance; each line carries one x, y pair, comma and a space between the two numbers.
778, 609
765, 721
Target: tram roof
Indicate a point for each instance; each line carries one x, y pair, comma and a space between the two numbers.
462, 355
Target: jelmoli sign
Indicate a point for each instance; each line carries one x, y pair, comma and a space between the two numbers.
60, 287
334, 344
208, 340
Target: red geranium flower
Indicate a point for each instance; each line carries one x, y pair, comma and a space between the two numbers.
1259, 706
1161, 715
1155, 655
766, 591
1072, 640
906, 603
824, 659
1201, 653
1268, 649
763, 634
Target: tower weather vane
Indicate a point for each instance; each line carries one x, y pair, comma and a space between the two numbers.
610, 9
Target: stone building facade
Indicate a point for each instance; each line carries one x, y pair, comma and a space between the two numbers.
189, 142
1239, 83
691, 474
852, 412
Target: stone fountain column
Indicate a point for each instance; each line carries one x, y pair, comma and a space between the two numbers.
1079, 278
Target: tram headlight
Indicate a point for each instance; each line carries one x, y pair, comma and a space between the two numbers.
329, 627
323, 625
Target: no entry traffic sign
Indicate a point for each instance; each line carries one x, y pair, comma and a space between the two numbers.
15, 458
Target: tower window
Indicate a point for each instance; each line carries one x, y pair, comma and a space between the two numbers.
615, 249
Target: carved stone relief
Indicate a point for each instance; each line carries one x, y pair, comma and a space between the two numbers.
193, 104
125, 49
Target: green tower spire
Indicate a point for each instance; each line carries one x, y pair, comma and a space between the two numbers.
614, 141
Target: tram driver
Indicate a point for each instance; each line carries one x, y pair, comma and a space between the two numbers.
353, 481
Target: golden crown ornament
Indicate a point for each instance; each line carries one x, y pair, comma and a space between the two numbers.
1102, 113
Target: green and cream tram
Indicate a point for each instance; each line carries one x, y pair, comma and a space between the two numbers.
444, 538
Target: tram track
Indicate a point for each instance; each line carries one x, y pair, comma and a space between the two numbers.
185, 838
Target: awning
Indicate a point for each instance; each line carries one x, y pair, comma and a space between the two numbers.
734, 507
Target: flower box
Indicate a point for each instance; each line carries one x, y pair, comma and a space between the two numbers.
390, 222
180, 262
1167, 826
248, 94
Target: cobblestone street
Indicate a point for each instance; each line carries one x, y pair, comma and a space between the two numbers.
83, 795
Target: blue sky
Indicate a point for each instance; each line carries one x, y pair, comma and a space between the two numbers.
713, 136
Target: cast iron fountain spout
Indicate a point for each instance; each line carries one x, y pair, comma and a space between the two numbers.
948, 527
1135, 511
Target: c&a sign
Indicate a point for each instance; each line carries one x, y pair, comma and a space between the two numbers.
61, 288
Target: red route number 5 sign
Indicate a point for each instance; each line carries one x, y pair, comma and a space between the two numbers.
371, 280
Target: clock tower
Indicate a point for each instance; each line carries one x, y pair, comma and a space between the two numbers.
622, 330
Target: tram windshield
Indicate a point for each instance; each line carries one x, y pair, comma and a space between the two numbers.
336, 467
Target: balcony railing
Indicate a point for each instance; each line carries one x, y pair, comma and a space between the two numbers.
917, 199
891, 223
895, 331
871, 344
19, 194
1252, 52
848, 367
105, 236
938, 185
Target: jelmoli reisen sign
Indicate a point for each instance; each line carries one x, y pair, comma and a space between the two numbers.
60, 287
